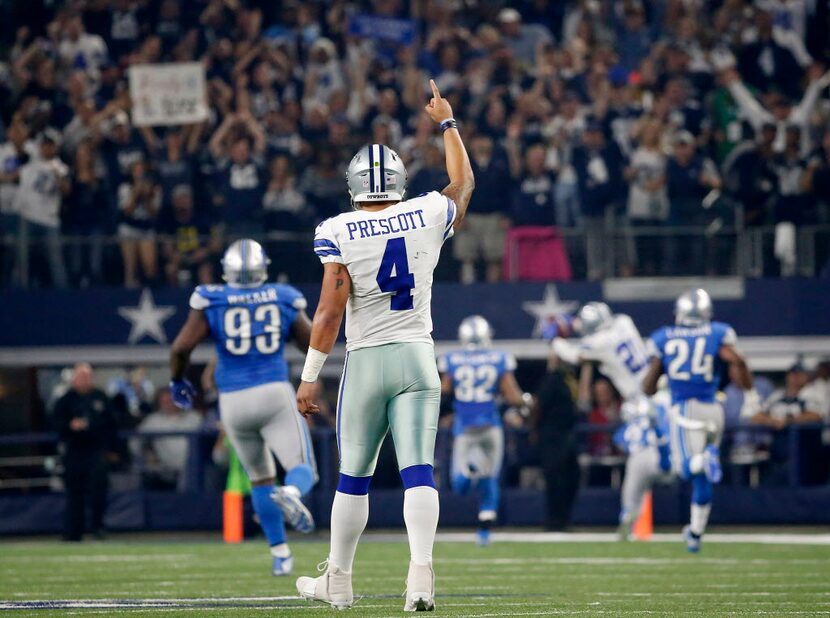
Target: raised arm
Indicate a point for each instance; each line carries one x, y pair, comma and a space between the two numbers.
752, 109
462, 181
334, 294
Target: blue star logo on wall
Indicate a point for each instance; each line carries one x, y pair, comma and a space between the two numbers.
549, 308
147, 319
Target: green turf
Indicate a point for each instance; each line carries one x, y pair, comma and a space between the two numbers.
507, 579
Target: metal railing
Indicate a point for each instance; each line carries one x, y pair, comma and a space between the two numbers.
616, 248
746, 450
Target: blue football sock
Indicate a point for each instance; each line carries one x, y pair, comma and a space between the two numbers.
460, 484
489, 493
270, 515
301, 477
701, 490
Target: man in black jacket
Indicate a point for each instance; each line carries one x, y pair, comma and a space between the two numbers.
556, 422
86, 427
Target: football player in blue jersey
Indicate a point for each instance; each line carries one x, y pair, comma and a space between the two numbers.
693, 354
250, 321
475, 376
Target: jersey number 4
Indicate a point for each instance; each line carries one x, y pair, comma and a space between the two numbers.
238, 329
394, 276
702, 363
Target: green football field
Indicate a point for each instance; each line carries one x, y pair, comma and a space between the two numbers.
542, 578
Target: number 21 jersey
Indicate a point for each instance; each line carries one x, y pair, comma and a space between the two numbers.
250, 327
390, 256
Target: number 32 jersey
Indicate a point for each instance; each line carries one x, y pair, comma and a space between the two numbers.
690, 357
390, 256
250, 327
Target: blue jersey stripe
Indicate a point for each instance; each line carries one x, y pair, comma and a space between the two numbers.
382, 167
326, 253
450, 214
323, 242
371, 169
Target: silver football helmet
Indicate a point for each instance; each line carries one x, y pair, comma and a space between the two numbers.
593, 317
245, 264
475, 331
693, 308
376, 174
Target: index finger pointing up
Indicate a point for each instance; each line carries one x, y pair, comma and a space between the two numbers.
434, 87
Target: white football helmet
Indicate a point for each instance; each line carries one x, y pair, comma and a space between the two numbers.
593, 317
245, 264
376, 174
693, 308
475, 331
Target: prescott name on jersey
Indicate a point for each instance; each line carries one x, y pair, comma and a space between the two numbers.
250, 327
476, 378
390, 255
690, 357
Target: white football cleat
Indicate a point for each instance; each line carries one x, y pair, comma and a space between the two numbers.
292, 507
420, 589
333, 587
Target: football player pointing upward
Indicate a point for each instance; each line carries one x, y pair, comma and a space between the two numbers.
378, 263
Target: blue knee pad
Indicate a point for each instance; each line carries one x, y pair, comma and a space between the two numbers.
417, 476
701, 490
270, 515
489, 493
354, 485
460, 484
302, 477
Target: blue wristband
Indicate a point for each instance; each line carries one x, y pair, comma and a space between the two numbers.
449, 123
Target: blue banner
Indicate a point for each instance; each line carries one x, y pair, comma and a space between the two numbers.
516, 311
400, 31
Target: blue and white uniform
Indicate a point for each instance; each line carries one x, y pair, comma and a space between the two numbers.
250, 327
476, 378
691, 361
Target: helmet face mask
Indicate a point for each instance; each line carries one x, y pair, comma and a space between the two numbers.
693, 308
593, 317
245, 264
475, 331
376, 174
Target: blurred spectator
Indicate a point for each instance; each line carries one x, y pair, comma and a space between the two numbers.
165, 459
690, 179
598, 165
242, 178
522, 39
86, 427
14, 154
484, 225
735, 395
139, 201
648, 202
533, 198
322, 183
87, 216
81, 50
174, 161
189, 244
285, 205
750, 176
797, 402
604, 412
132, 396
43, 182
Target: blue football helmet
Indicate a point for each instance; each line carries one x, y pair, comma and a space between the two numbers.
693, 308
245, 264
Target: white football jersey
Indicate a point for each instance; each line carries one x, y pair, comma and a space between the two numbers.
390, 255
620, 351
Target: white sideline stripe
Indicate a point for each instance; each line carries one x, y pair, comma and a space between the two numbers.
610, 537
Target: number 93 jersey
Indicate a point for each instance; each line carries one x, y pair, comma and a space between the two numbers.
690, 357
250, 327
476, 379
390, 256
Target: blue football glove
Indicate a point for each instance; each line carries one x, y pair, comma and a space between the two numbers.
183, 393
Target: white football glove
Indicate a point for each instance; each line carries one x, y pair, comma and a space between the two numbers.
751, 405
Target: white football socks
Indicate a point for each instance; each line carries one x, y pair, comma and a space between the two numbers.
349, 514
699, 518
420, 513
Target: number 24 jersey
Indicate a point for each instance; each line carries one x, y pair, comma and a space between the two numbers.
250, 327
690, 357
390, 256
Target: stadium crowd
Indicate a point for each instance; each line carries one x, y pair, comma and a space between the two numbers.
588, 115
